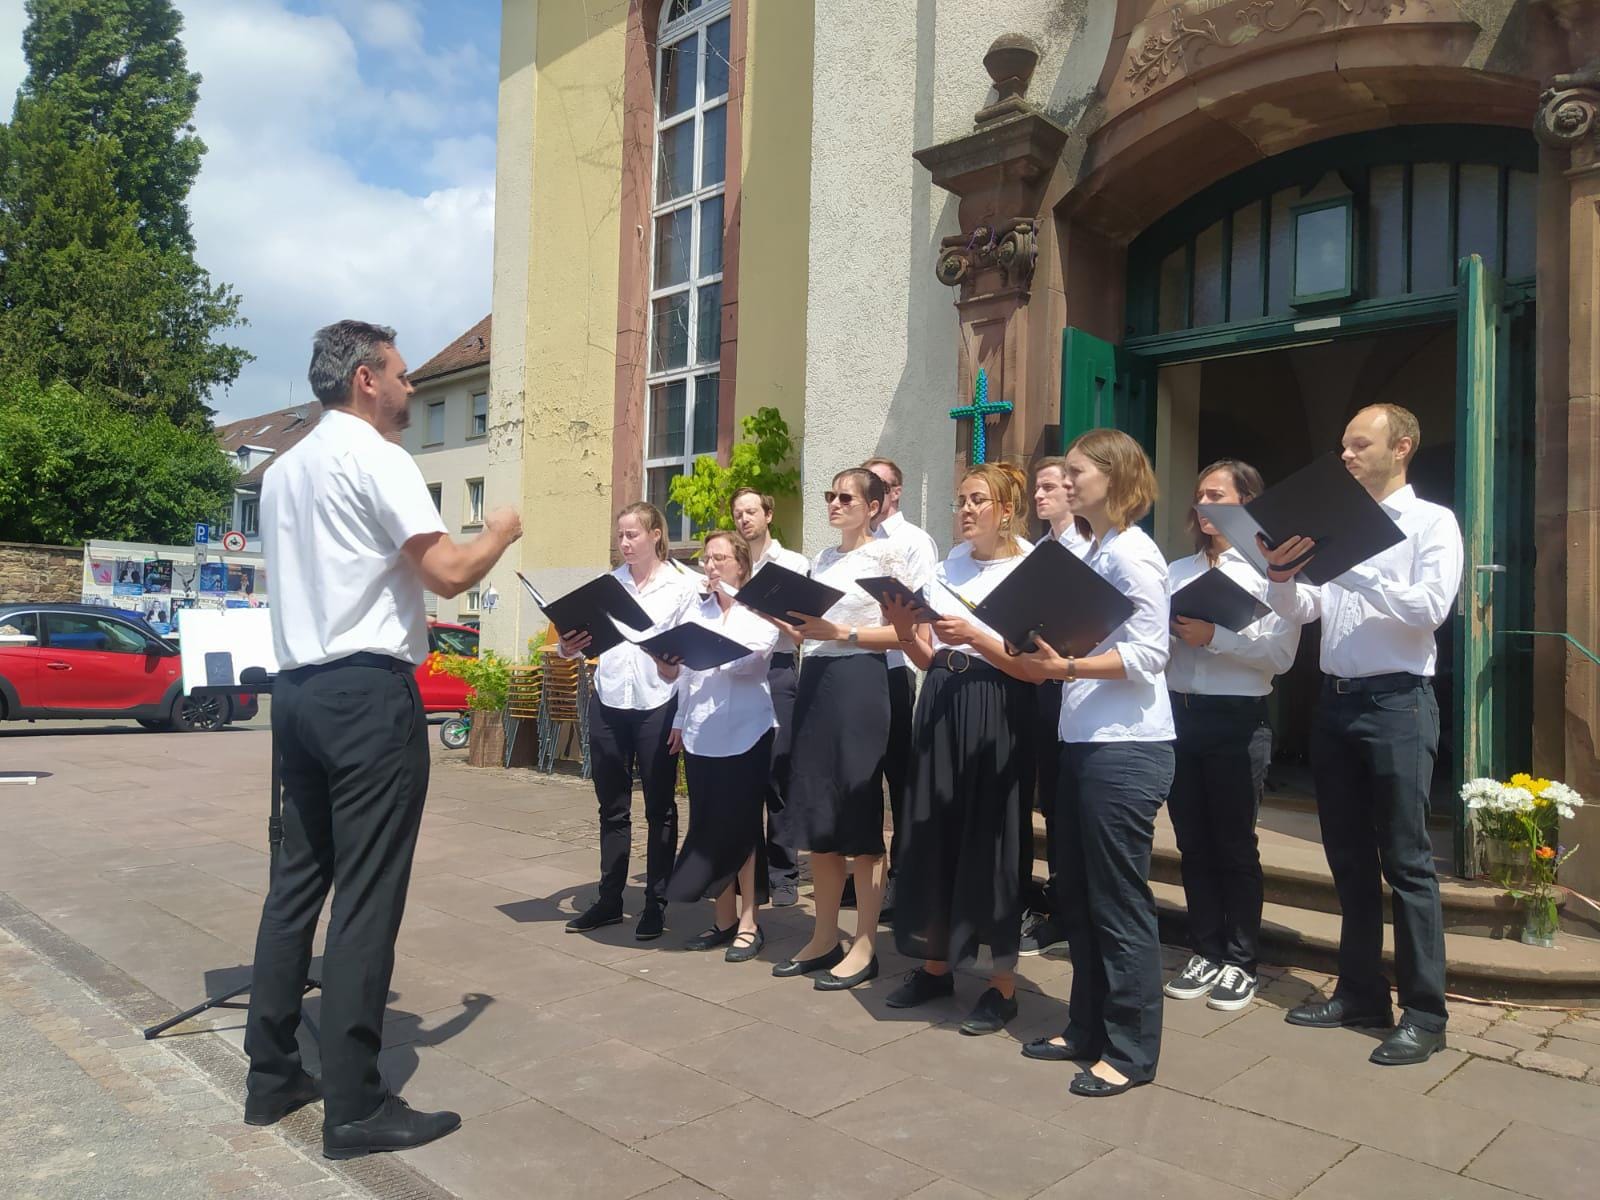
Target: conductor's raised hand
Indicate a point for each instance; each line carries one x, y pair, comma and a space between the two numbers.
1288, 558
505, 522
574, 642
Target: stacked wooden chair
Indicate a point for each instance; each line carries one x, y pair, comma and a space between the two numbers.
563, 700
523, 696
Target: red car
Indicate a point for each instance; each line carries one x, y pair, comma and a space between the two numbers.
440, 692
93, 663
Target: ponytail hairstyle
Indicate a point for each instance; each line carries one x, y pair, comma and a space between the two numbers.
650, 517
1131, 491
870, 487
736, 543
1008, 486
1247, 482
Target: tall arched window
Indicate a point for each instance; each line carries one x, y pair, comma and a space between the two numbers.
691, 135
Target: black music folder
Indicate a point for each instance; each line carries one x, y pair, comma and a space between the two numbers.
778, 591
884, 588
696, 646
1323, 502
585, 609
1216, 598
1055, 596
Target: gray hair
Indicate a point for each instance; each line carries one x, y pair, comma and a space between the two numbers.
337, 350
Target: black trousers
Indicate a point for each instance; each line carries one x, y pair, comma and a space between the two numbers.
1046, 772
1372, 757
618, 739
782, 678
897, 759
353, 752
1222, 752
1106, 814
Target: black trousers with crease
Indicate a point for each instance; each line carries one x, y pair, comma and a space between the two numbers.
619, 738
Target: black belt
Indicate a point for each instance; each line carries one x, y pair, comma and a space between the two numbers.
382, 662
1200, 702
782, 662
959, 662
1394, 681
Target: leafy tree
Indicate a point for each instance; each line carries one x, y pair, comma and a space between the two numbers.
757, 461
75, 467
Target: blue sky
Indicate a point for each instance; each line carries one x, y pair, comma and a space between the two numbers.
350, 170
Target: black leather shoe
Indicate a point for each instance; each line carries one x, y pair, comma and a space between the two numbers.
745, 946
712, 938
1047, 1050
1407, 1046
1337, 1012
829, 982
920, 987
1087, 1083
269, 1110
395, 1126
991, 1014
804, 966
652, 923
597, 916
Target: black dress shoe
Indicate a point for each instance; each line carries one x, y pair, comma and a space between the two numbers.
652, 923
1337, 1012
745, 946
270, 1109
1407, 1046
829, 982
1087, 1083
597, 916
712, 938
991, 1014
395, 1126
920, 987
1046, 1050
804, 966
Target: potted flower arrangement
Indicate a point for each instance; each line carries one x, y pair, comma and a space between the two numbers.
486, 677
1520, 824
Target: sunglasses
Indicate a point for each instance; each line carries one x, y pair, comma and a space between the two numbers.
845, 499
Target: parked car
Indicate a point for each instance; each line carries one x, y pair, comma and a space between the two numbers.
94, 663
443, 693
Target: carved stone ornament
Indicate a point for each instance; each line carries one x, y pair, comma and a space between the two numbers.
1569, 109
1010, 247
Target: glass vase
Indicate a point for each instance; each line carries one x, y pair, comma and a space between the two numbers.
1541, 921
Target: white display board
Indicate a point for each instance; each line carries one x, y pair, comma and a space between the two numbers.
218, 644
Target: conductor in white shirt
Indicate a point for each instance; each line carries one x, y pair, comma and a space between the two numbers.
351, 538
1376, 738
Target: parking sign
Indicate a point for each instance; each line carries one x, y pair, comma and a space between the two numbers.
202, 533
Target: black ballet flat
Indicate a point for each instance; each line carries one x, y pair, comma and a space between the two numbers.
712, 938
1045, 1050
1091, 1086
745, 946
805, 966
829, 982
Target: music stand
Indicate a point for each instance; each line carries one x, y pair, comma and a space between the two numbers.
253, 680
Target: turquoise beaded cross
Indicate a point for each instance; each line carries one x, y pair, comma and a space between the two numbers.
978, 411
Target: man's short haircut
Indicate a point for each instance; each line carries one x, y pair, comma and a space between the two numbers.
894, 469
1055, 462
767, 502
1403, 423
337, 350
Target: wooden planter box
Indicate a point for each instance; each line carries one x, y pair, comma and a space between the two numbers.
487, 747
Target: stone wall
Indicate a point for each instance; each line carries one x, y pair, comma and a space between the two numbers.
29, 572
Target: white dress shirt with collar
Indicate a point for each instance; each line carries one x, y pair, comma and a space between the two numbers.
724, 711
1135, 709
336, 510
1381, 616
921, 555
1070, 538
790, 560
1231, 664
625, 676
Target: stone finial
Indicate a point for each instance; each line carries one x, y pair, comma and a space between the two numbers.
1569, 110
1010, 62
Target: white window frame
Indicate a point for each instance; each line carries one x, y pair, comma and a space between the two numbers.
474, 513
472, 416
472, 601
250, 516
692, 26
427, 423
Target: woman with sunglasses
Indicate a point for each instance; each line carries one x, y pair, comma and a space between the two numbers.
841, 733
959, 881
724, 725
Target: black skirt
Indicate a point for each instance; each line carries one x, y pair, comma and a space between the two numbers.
958, 884
726, 798
841, 732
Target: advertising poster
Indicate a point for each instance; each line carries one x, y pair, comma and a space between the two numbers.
94, 598
129, 577
213, 579
241, 579
261, 581
157, 576
184, 577
100, 570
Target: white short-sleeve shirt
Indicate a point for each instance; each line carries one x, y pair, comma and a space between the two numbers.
724, 711
921, 556
336, 510
625, 676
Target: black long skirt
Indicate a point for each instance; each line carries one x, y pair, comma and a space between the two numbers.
841, 733
958, 886
726, 799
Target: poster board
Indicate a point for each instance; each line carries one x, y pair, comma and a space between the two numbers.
217, 645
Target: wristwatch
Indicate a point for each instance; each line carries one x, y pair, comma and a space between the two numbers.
853, 637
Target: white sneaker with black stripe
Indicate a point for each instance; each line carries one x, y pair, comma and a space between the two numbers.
1234, 989
1196, 979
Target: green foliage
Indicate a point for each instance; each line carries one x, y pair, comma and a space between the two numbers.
756, 461
74, 467
488, 676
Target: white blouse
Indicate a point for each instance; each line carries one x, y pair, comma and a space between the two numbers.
878, 556
724, 711
972, 579
1231, 664
625, 676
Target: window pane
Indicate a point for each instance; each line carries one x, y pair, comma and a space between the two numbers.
677, 76
1244, 288
705, 413
436, 493
1173, 300
667, 402
669, 332
713, 153
717, 59
435, 423
20, 625
480, 414
711, 237
1433, 267
1208, 277
1321, 251
672, 247
1279, 264
660, 481
1520, 225
675, 166
1387, 217
1478, 229
682, 8
474, 501
708, 336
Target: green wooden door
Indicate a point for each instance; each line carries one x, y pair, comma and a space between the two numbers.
1104, 387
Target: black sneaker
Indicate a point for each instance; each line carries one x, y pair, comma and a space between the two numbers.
652, 923
1234, 989
1040, 935
783, 893
1198, 978
991, 1014
920, 987
596, 916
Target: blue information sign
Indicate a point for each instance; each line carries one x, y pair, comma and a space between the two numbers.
202, 533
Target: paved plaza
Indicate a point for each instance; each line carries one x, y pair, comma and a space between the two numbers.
131, 877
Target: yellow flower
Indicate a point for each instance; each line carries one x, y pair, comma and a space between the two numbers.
1538, 786
1522, 780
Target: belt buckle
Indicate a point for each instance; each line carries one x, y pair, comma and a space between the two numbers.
966, 662
1340, 689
